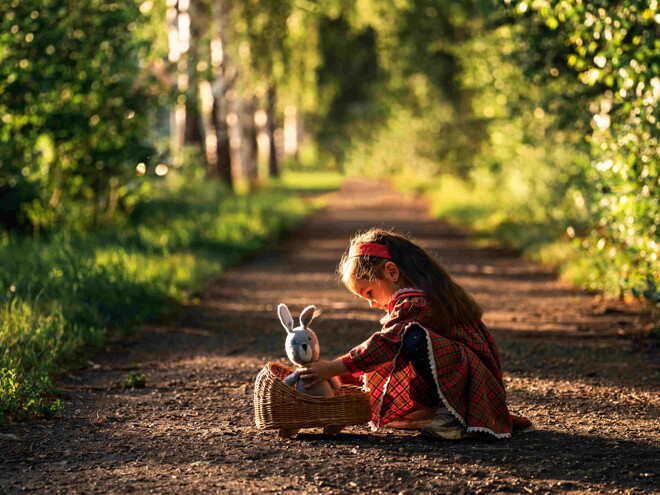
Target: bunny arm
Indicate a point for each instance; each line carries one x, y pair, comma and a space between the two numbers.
293, 378
334, 382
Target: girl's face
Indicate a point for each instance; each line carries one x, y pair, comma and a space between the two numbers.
379, 291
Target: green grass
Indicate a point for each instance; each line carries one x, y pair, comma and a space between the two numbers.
135, 380
317, 182
492, 214
498, 217
60, 295
508, 217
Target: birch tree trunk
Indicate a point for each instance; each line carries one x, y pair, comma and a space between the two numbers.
178, 20
224, 75
195, 123
174, 54
271, 100
223, 163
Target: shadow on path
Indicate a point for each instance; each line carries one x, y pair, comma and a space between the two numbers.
593, 396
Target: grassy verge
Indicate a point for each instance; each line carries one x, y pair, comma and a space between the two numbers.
316, 181
493, 215
498, 216
60, 295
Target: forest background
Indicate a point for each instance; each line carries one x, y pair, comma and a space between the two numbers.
147, 145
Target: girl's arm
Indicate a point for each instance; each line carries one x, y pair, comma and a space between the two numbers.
377, 350
384, 346
322, 370
380, 348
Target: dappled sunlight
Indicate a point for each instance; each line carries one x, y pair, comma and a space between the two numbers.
171, 171
195, 418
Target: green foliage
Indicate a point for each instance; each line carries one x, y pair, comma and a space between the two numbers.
614, 50
135, 380
532, 122
399, 146
266, 30
60, 295
347, 79
27, 396
74, 114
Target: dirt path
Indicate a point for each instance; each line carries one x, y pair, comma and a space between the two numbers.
570, 362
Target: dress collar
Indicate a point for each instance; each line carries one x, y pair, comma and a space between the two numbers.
407, 292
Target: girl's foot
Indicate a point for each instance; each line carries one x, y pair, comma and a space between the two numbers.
444, 427
415, 420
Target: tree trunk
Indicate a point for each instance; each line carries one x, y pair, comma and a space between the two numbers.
178, 20
173, 56
273, 168
194, 133
195, 124
249, 147
224, 77
291, 132
222, 148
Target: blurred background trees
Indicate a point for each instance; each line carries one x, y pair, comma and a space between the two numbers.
74, 105
141, 143
535, 121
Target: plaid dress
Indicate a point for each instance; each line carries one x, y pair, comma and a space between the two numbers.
465, 362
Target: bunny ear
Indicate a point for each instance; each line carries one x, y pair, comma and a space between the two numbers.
307, 316
285, 317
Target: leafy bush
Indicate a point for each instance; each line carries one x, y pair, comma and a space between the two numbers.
612, 52
73, 108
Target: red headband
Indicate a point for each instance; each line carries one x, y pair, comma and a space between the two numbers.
370, 249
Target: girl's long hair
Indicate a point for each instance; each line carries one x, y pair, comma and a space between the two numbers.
448, 300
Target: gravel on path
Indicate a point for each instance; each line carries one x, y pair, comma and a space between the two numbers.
575, 363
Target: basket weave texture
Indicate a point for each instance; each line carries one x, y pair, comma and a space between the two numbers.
279, 406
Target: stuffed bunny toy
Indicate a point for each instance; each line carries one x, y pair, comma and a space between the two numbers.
302, 348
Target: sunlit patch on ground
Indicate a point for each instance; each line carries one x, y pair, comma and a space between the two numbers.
592, 395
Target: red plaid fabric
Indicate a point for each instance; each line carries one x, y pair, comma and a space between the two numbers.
465, 359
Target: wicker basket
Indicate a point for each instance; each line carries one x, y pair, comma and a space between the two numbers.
278, 406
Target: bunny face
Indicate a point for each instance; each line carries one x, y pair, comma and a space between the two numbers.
302, 346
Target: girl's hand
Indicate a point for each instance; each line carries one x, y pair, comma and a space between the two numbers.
322, 370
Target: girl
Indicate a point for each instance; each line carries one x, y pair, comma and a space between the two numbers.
433, 354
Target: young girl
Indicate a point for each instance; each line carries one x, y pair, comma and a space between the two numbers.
433, 353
